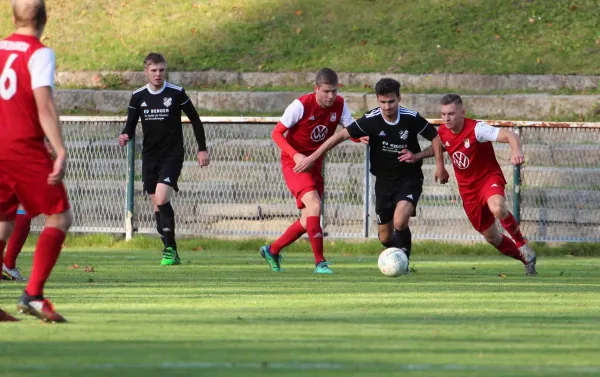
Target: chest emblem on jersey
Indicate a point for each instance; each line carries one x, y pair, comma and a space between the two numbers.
467, 143
460, 160
319, 133
404, 134
167, 101
333, 117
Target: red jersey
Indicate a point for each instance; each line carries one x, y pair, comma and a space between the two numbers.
309, 125
25, 64
472, 154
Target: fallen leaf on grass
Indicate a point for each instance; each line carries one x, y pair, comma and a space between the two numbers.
74, 267
88, 269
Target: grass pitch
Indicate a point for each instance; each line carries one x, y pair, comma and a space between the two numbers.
224, 313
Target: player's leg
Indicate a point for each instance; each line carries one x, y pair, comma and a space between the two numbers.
45, 256
16, 241
8, 208
311, 220
497, 206
162, 201
402, 237
38, 197
150, 179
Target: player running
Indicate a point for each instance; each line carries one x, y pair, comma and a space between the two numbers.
480, 179
395, 160
159, 104
306, 123
28, 175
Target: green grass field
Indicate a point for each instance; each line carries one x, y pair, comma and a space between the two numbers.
424, 36
223, 313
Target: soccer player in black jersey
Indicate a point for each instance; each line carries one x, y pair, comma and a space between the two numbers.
159, 104
395, 160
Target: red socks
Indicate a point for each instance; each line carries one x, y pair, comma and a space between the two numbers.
509, 223
508, 248
45, 256
291, 234
315, 235
17, 240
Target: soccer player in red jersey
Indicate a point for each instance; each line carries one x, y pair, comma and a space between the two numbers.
306, 123
28, 175
480, 179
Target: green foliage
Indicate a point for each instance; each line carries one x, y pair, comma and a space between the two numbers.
425, 36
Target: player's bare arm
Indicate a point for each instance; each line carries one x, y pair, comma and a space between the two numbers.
507, 136
308, 162
441, 173
48, 114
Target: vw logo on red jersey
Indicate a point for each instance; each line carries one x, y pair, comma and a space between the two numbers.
460, 160
319, 133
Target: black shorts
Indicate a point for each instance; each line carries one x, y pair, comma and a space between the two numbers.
388, 194
155, 172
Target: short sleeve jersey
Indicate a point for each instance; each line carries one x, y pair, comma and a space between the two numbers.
25, 65
160, 112
309, 125
472, 153
387, 139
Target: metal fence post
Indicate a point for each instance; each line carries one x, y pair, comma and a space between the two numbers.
517, 186
130, 189
367, 193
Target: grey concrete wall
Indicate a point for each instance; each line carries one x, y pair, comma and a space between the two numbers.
261, 79
530, 106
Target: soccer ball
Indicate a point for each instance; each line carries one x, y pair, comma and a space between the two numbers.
393, 262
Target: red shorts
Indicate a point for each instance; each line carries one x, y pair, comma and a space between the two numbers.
301, 183
26, 182
475, 204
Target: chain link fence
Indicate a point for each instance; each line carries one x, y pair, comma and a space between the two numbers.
242, 192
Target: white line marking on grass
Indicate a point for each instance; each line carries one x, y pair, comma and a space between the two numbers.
314, 366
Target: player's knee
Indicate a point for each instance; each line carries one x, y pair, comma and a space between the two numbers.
62, 221
498, 208
493, 239
385, 238
401, 223
313, 206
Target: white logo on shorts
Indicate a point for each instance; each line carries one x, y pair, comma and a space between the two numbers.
319, 133
167, 180
460, 160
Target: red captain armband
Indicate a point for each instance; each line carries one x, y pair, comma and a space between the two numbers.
281, 141
355, 140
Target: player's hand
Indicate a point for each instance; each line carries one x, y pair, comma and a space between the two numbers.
407, 156
58, 171
203, 159
517, 158
303, 164
364, 140
298, 157
442, 175
123, 139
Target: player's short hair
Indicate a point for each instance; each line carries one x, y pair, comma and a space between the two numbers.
451, 98
30, 12
326, 76
154, 58
387, 86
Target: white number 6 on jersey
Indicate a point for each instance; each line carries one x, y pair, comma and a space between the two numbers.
8, 74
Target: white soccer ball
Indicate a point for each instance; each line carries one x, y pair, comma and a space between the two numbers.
393, 262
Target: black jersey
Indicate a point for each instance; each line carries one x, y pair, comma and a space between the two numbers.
387, 139
160, 113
